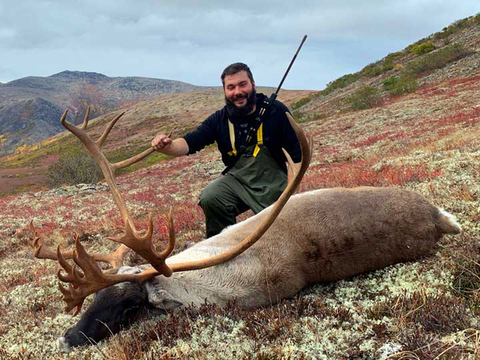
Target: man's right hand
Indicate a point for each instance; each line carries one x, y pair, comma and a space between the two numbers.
161, 142
164, 144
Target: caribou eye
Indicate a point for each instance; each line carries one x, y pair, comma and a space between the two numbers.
129, 313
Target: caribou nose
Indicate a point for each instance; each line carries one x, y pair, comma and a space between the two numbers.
63, 345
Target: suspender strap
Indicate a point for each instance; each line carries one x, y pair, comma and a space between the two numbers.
259, 140
231, 131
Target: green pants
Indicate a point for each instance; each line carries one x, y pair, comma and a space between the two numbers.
253, 183
221, 204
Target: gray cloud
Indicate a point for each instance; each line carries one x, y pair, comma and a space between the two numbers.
193, 41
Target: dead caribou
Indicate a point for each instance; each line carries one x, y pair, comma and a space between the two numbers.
321, 235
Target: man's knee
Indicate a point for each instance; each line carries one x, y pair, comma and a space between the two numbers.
209, 197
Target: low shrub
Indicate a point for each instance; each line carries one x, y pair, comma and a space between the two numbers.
303, 101
364, 98
437, 59
387, 65
399, 85
466, 282
74, 167
476, 19
433, 313
394, 56
302, 117
452, 29
423, 48
389, 82
372, 70
341, 82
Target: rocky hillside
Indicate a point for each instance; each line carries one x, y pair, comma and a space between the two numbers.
452, 53
29, 107
426, 139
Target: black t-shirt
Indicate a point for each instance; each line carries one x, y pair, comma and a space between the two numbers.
277, 133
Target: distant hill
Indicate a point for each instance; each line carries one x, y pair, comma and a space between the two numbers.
30, 107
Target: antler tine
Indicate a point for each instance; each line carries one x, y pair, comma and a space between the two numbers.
107, 130
71, 271
79, 132
108, 169
306, 147
132, 160
171, 236
85, 119
144, 247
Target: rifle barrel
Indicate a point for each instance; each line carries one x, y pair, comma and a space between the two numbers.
289, 66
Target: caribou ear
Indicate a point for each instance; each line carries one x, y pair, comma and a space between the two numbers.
162, 299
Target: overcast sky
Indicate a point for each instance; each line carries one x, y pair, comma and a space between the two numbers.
193, 41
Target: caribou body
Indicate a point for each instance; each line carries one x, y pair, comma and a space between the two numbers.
322, 235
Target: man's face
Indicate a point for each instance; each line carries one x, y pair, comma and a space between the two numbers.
239, 92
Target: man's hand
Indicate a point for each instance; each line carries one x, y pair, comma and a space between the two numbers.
164, 144
161, 142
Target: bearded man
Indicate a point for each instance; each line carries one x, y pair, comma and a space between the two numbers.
250, 137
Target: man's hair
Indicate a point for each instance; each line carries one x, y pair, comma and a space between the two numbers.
235, 68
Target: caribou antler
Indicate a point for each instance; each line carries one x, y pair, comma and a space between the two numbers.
93, 279
115, 259
142, 245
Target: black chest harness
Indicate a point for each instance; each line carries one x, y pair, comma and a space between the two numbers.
255, 128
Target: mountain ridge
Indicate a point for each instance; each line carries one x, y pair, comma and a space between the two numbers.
72, 90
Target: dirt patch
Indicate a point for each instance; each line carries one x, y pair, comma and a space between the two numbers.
13, 180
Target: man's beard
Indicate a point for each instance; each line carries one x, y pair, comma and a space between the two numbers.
241, 111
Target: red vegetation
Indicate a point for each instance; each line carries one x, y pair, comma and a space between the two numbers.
389, 135
360, 173
467, 118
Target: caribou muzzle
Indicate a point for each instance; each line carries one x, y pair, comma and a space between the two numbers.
113, 309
